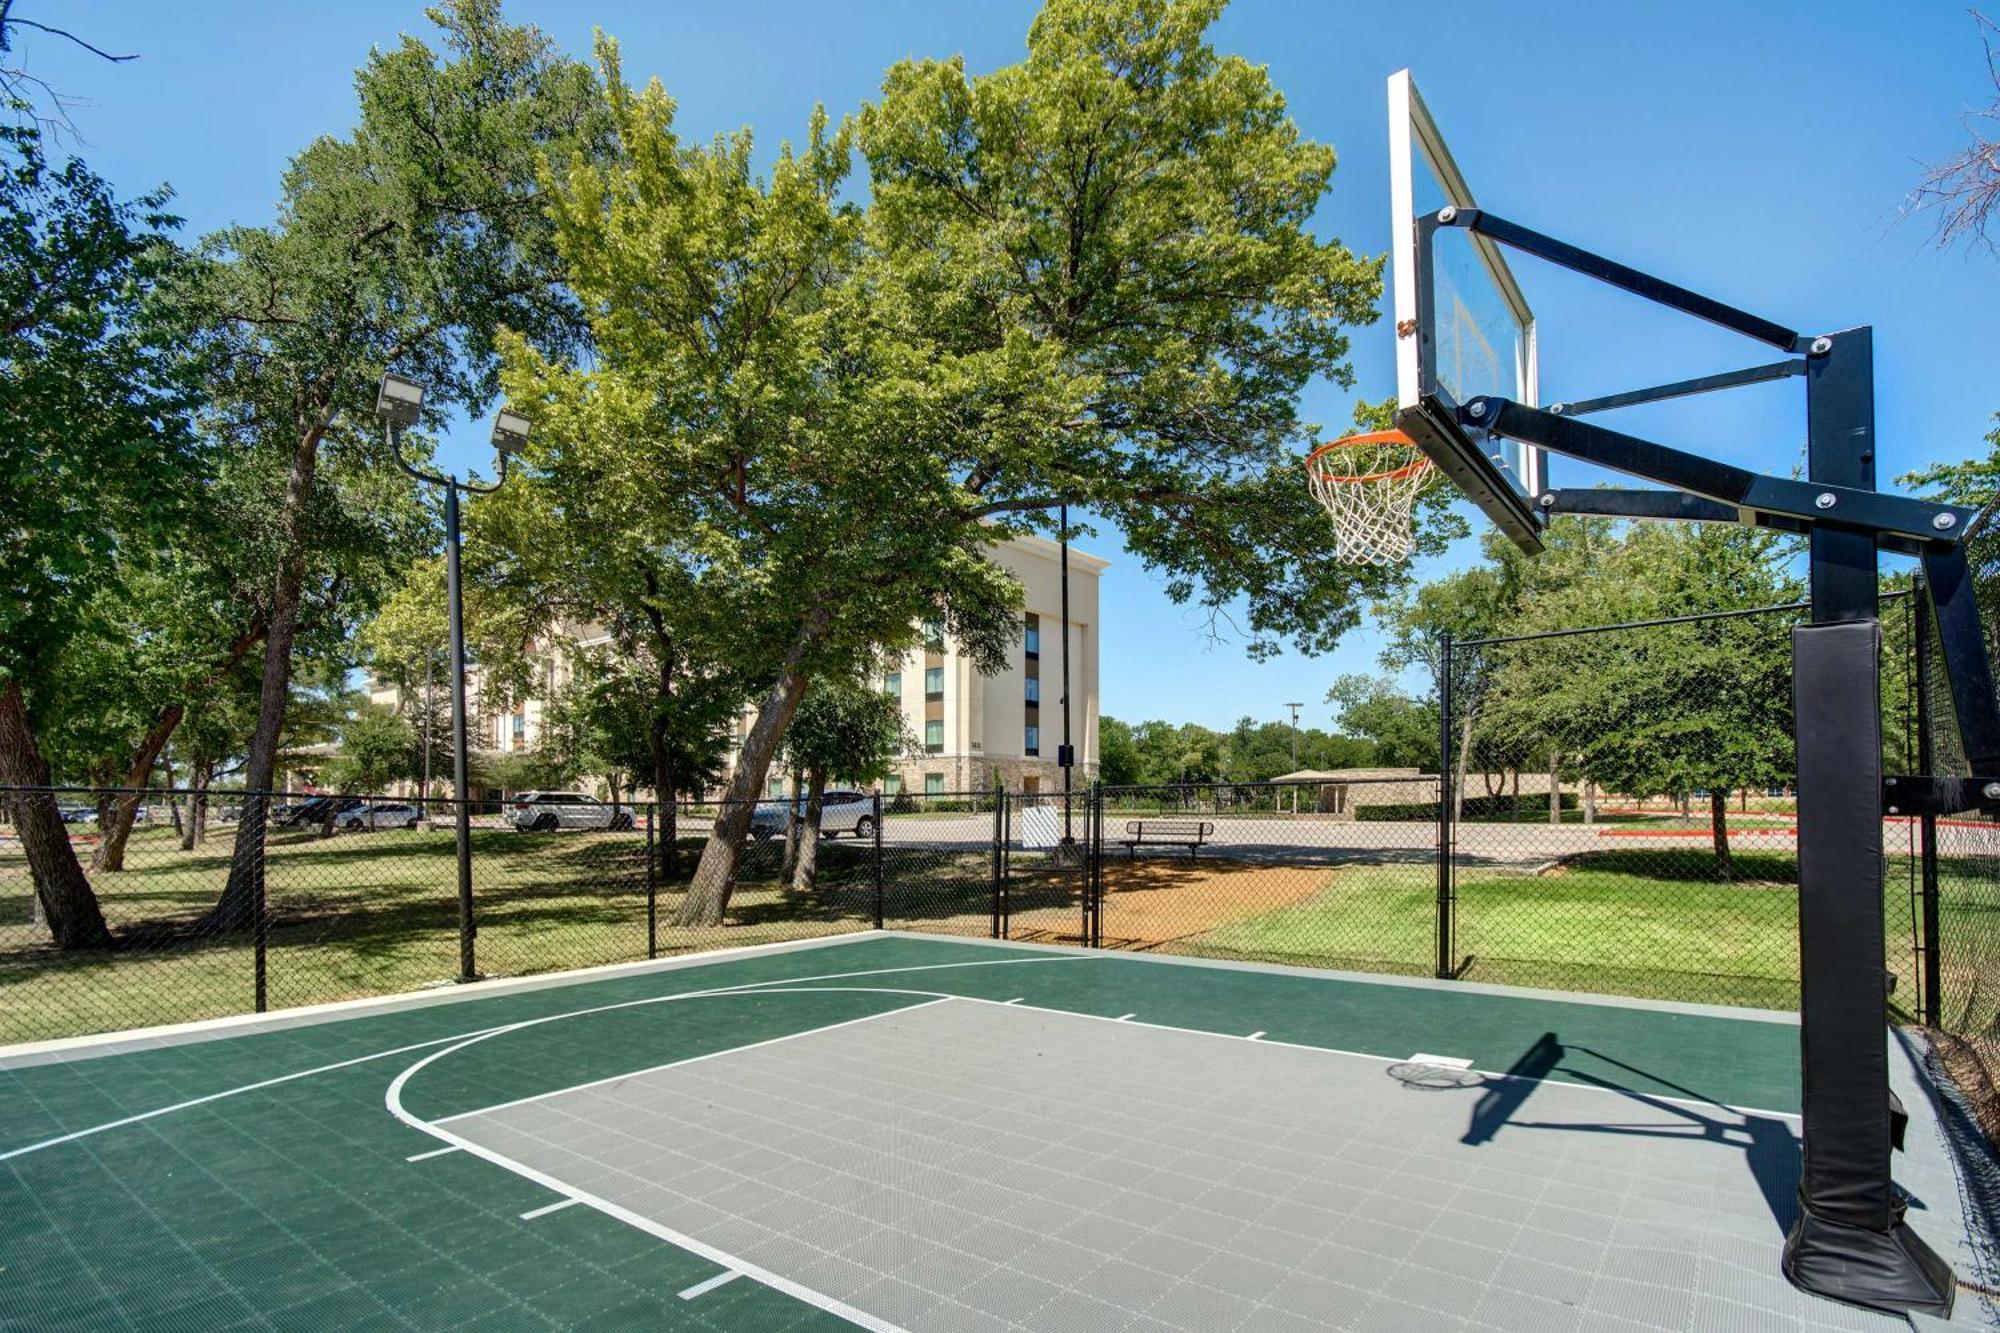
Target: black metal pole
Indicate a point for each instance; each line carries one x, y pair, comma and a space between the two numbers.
1932, 1004
467, 928
652, 891
1066, 755
999, 824
1849, 1241
1444, 940
877, 810
260, 966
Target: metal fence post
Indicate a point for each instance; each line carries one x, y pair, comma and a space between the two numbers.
1930, 1002
652, 892
1444, 866
877, 810
261, 927
999, 873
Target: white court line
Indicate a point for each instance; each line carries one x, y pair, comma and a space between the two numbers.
1016, 1000
703, 1288
748, 986
1122, 1017
548, 1208
426, 1156
697, 1059
393, 1099
226, 1092
1258, 1035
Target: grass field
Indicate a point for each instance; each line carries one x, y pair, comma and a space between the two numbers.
366, 914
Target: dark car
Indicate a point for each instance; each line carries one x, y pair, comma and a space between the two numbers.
315, 811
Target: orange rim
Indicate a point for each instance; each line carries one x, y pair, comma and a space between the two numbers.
1364, 439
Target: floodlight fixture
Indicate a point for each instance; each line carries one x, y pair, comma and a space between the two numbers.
510, 433
399, 401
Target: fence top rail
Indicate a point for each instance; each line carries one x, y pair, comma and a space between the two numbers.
1695, 618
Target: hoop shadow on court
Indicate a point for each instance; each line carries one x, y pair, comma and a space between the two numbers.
1769, 1146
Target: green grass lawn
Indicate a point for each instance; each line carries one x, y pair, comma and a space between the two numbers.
1656, 924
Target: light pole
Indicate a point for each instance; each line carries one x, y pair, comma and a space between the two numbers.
399, 403
1295, 751
1066, 755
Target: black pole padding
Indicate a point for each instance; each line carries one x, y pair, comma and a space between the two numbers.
1849, 1242
652, 891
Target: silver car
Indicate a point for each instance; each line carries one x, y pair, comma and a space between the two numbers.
841, 811
542, 811
381, 814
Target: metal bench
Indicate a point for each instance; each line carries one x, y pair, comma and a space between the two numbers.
1189, 833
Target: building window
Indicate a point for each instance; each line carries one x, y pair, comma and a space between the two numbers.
892, 785
1034, 689
892, 684
934, 682
774, 788
934, 635
1031, 639
521, 731
933, 784
1033, 741
934, 736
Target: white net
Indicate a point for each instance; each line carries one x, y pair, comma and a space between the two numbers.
1368, 485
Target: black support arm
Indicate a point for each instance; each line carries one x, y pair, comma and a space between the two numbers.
1809, 502
1671, 295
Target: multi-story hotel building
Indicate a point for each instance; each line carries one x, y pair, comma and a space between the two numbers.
966, 729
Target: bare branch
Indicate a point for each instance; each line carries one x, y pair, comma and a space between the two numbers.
1964, 190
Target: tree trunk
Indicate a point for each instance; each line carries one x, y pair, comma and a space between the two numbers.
238, 905
1589, 801
1555, 786
805, 872
68, 905
715, 877
1464, 762
1718, 814
792, 828
110, 855
197, 818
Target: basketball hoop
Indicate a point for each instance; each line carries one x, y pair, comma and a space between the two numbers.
1368, 484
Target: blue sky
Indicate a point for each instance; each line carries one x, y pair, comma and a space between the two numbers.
1757, 152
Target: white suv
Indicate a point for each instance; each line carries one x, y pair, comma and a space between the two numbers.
841, 811
544, 810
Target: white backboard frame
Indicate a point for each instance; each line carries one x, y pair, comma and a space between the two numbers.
1412, 131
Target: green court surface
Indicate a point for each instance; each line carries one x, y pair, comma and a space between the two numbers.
290, 1174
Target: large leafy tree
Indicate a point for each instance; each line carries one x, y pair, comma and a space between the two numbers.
99, 467
1664, 709
843, 728
1087, 278
409, 243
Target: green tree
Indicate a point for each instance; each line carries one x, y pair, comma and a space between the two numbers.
409, 243
100, 466
845, 729
1671, 709
1119, 763
1402, 731
1088, 279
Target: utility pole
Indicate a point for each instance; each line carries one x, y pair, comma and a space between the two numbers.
1065, 756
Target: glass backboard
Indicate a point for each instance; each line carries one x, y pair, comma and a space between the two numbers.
1473, 324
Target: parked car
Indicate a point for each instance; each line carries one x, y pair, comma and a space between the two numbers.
79, 814
841, 811
381, 814
541, 811
307, 813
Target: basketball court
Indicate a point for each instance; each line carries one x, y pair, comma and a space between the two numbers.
895, 1132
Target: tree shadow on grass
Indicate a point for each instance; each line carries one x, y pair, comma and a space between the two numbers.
1687, 866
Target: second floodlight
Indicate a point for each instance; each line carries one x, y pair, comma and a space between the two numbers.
399, 401
510, 432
